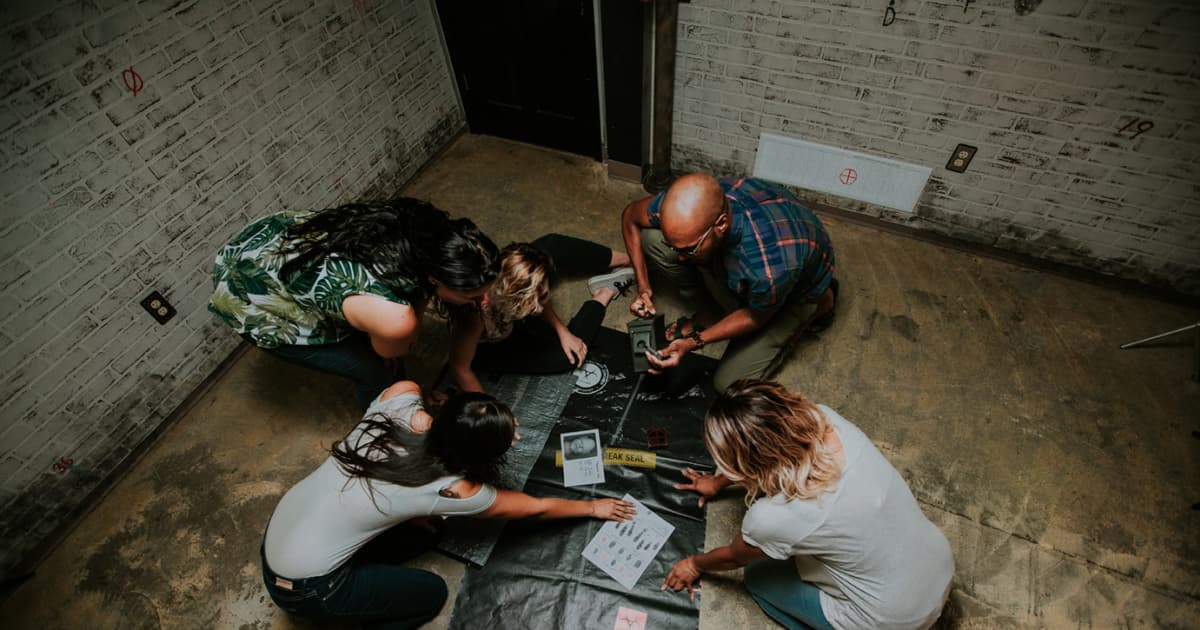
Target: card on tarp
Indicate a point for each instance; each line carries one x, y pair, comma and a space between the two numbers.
583, 459
624, 549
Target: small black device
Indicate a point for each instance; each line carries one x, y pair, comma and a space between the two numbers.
646, 335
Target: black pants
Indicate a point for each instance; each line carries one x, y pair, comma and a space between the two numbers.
574, 257
533, 346
352, 358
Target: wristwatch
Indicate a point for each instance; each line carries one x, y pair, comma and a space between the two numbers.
695, 336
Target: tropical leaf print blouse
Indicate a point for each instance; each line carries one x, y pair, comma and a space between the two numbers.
305, 310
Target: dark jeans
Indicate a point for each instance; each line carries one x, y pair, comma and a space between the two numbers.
370, 588
533, 346
352, 358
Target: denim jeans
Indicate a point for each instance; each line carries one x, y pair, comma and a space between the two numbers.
370, 588
352, 358
786, 598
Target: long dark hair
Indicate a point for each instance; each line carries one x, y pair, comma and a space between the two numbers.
400, 240
469, 437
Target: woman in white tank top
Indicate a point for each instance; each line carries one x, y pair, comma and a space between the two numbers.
334, 543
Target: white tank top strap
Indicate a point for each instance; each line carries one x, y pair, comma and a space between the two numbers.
399, 408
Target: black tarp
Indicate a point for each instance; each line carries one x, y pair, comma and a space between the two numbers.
537, 402
536, 576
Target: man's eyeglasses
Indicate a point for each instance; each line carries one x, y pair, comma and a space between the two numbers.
688, 252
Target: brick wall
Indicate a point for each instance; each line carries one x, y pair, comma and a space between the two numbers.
245, 107
1044, 97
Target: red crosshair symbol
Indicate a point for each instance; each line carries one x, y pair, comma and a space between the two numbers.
848, 176
133, 80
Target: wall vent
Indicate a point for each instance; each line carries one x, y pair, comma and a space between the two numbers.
859, 176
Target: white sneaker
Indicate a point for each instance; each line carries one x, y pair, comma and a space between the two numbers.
618, 280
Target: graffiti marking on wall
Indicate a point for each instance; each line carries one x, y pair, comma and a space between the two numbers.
133, 80
1142, 127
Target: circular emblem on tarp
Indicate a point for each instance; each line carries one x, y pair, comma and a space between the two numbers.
590, 378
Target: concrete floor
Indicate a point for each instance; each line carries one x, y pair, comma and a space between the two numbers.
1062, 469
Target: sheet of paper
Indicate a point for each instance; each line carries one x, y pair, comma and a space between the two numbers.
583, 459
624, 550
629, 619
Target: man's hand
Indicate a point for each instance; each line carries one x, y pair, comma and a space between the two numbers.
683, 575
707, 486
670, 356
573, 347
643, 306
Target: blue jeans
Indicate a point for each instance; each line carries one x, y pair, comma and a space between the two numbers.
352, 358
786, 598
370, 588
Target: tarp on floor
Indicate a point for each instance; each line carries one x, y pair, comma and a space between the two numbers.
537, 401
536, 576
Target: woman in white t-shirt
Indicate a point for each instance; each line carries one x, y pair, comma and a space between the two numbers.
833, 537
334, 543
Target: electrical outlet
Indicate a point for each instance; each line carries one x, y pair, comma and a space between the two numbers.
158, 307
961, 158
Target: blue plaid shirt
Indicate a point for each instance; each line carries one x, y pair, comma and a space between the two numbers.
775, 245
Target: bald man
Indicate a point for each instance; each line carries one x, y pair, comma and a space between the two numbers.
756, 262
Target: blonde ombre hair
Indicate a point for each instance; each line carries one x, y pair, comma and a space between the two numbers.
523, 285
771, 440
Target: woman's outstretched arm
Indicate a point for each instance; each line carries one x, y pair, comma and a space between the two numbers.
573, 347
513, 505
736, 554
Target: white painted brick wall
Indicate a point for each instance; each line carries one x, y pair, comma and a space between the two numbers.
1042, 96
248, 107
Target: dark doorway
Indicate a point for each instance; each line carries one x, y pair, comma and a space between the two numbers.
526, 70
622, 23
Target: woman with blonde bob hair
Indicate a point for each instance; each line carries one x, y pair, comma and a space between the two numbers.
833, 538
516, 330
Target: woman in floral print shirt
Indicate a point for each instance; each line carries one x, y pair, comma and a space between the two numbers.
342, 290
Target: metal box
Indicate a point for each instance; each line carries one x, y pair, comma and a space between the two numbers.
645, 334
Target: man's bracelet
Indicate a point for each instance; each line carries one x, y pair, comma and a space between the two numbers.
695, 336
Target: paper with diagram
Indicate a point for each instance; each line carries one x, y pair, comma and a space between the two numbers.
624, 550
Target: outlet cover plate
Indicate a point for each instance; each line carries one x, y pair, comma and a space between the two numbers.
961, 158
158, 307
